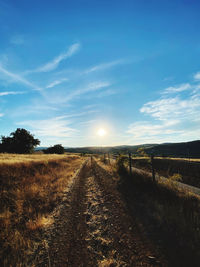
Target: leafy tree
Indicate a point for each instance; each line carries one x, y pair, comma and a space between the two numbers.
56, 149
21, 141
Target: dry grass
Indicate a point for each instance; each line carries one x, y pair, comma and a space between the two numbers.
107, 164
111, 262
167, 167
21, 158
169, 212
31, 186
185, 159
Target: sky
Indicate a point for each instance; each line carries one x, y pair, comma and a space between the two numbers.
131, 67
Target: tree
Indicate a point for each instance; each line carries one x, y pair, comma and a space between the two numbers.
56, 149
21, 141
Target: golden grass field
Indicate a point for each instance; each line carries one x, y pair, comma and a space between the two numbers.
31, 186
17, 158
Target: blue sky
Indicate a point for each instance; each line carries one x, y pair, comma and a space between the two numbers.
68, 68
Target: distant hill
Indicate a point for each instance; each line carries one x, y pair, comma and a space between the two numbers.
40, 148
109, 149
182, 150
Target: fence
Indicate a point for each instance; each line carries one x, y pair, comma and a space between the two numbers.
164, 168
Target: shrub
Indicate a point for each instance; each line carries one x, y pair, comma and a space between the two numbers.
56, 149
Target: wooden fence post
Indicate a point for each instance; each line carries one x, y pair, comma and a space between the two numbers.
152, 168
130, 163
108, 158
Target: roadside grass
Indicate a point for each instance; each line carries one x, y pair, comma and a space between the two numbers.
22, 158
188, 169
107, 164
166, 214
31, 186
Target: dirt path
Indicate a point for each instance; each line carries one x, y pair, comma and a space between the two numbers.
94, 229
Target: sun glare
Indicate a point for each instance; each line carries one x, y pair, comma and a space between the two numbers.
101, 132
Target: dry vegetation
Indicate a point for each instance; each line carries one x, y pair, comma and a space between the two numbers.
188, 169
168, 214
30, 188
22, 158
181, 159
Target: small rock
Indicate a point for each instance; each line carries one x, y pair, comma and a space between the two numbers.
152, 259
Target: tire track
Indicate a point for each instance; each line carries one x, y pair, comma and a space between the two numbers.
65, 243
131, 246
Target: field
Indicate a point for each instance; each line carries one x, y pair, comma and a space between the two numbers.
70, 210
31, 187
22, 158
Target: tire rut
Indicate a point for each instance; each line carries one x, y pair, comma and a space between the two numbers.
131, 247
65, 240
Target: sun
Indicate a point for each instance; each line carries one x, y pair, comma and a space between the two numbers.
101, 132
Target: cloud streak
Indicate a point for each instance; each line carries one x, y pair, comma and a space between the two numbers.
11, 93
53, 127
177, 89
104, 66
92, 87
57, 60
56, 82
17, 78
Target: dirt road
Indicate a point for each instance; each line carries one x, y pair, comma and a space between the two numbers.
93, 227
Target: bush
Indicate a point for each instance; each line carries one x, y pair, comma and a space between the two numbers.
56, 149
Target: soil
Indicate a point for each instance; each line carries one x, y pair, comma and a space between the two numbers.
94, 228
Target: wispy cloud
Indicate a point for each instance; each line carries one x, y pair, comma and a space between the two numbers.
95, 68
53, 127
92, 87
143, 128
104, 66
34, 108
177, 89
17, 78
90, 106
107, 93
17, 39
62, 97
164, 109
88, 122
168, 79
170, 118
1, 114
197, 76
56, 82
56, 61
11, 93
